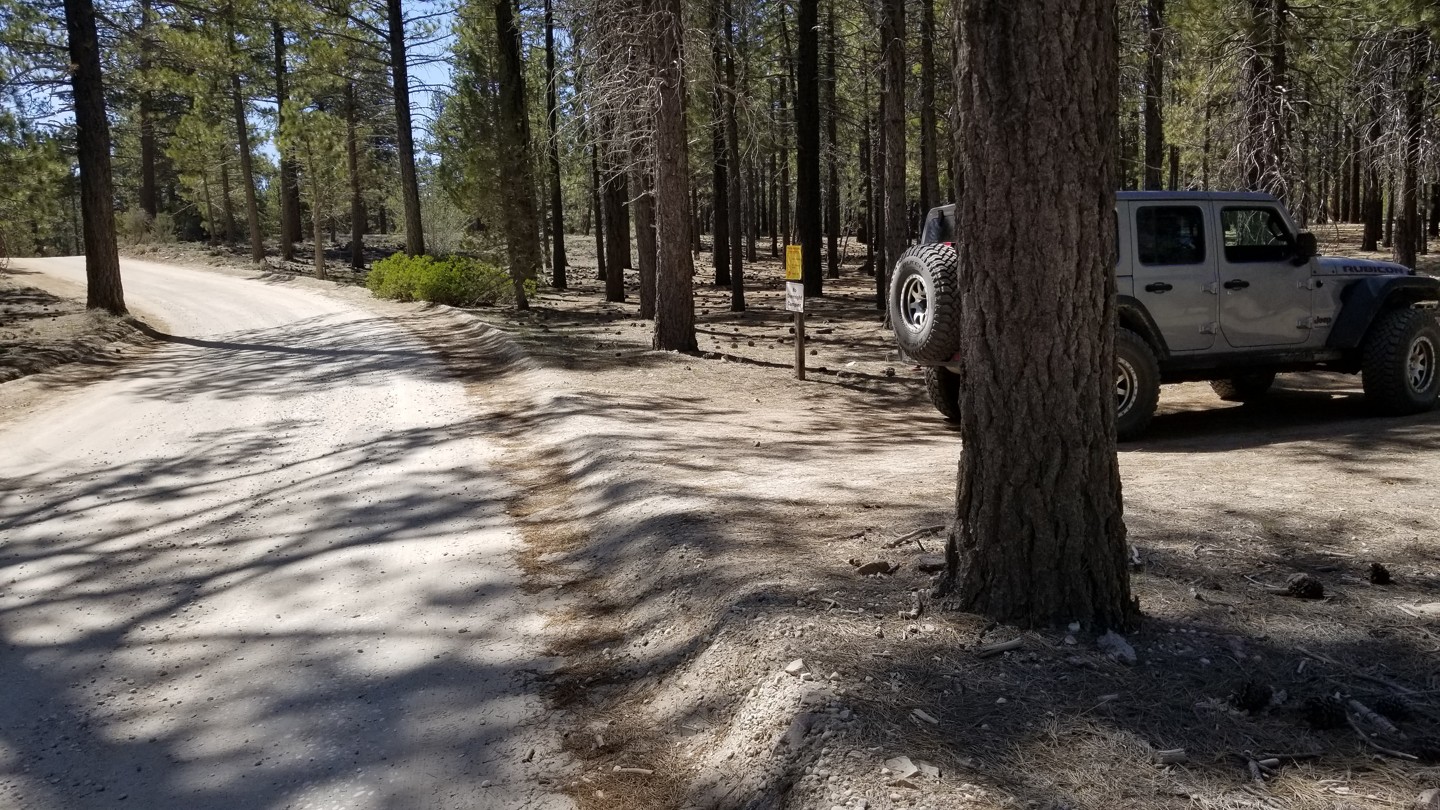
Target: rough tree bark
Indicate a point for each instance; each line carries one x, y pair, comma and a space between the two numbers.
558, 259
807, 147
674, 301
720, 172
613, 194
247, 168
735, 194
893, 121
290, 224
357, 194
522, 223
929, 164
832, 151
1154, 87
145, 108
404, 132
1409, 235
1038, 538
645, 244
92, 142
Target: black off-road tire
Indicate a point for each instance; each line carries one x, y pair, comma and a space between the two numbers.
1398, 367
943, 387
1244, 387
924, 303
1137, 387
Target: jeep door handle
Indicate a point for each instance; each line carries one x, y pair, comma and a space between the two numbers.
1236, 284
1158, 287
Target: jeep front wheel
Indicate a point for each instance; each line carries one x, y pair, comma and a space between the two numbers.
1137, 385
925, 303
943, 387
1399, 365
1244, 387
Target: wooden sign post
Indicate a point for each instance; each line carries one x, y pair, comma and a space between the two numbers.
795, 302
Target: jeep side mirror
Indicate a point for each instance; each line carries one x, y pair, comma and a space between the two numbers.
1305, 247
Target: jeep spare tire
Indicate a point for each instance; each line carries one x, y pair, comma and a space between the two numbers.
925, 303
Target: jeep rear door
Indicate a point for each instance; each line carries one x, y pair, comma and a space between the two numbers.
1264, 298
1175, 271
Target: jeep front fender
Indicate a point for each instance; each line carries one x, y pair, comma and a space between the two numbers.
1366, 298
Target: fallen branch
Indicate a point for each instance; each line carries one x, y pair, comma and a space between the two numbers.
905, 538
641, 771
1374, 718
1377, 746
995, 649
1358, 674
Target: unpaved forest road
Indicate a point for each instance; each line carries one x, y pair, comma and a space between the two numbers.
266, 565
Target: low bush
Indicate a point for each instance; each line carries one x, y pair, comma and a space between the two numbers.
455, 280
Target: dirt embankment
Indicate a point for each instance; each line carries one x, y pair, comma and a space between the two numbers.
44, 324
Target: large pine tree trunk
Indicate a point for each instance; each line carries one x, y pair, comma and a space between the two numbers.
1409, 236
929, 163
832, 152
617, 231
645, 244
1038, 538
893, 105
1154, 86
522, 217
787, 232
807, 147
735, 194
247, 172
558, 259
674, 302
92, 143
352, 165
145, 109
720, 167
404, 133
289, 176
227, 203
597, 199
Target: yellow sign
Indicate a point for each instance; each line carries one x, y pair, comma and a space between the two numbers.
792, 263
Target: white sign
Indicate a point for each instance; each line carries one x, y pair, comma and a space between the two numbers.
794, 296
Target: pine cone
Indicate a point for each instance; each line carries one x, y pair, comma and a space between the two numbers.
1393, 708
1379, 574
1252, 696
1304, 586
1323, 713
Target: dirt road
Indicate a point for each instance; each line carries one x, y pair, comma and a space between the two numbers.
267, 565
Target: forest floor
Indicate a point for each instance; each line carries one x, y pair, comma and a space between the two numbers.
699, 519
706, 514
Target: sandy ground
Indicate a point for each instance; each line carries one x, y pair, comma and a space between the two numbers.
266, 565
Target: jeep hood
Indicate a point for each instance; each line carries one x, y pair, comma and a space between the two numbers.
1347, 266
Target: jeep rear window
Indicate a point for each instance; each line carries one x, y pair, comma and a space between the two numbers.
1170, 234
939, 227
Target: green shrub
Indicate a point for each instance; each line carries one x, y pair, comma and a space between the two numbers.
455, 280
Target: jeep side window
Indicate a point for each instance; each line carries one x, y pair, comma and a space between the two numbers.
1170, 234
1255, 235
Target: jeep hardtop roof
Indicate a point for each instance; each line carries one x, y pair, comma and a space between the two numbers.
1191, 196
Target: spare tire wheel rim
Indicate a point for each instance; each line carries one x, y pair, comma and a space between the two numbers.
1420, 367
1127, 386
914, 303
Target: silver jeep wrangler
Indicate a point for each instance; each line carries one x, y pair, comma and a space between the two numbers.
1216, 286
